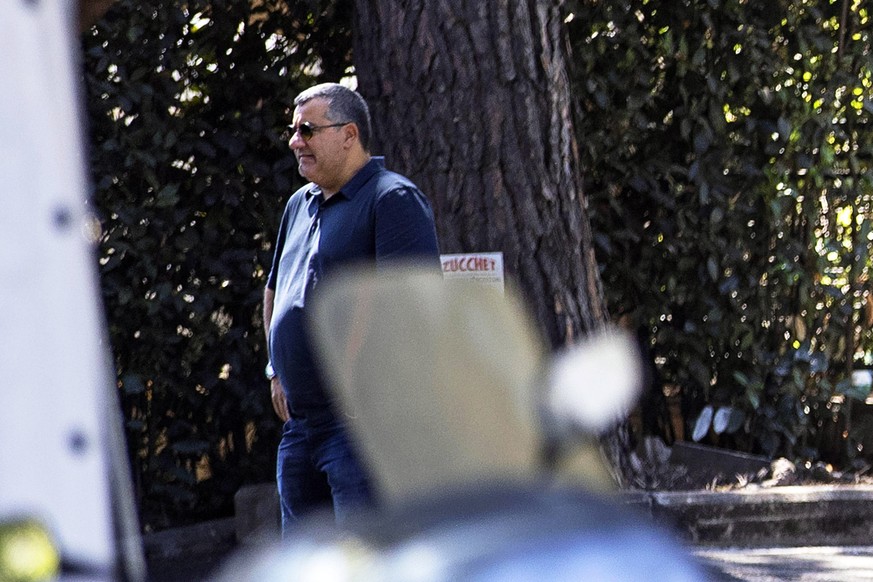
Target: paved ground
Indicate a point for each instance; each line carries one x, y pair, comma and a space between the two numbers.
824, 533
185, 569
802, 564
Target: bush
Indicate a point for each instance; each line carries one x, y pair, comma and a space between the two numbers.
728, 172
726, 150
187, 106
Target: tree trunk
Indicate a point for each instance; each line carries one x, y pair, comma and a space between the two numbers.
90, 11
471, 100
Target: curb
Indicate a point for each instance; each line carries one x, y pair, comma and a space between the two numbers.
785, 516
190, 553
837, 515
206, 538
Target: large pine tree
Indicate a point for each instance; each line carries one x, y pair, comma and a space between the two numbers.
472, 100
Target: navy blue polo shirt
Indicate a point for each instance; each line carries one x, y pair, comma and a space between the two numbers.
377, 217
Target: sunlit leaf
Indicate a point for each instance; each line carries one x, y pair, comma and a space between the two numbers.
703, 423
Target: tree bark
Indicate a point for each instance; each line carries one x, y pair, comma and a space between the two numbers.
90, 11
471, 99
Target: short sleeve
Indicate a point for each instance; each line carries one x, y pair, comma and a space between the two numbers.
405, 227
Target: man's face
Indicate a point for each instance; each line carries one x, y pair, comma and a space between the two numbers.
320, 158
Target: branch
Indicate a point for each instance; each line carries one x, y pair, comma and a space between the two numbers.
90, 11
844, 19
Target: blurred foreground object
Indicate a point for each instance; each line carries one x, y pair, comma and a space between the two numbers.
492, 533
452, 399
446, 383
594, 385
27, 552
435, 378
62, 458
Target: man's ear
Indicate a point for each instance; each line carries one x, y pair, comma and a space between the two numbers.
352, 134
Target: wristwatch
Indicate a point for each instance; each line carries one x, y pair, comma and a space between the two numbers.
269, 372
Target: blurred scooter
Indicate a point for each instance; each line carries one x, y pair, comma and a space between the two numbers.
483, 449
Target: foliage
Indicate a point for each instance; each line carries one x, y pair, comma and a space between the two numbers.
187, 105
727, 159
726, 152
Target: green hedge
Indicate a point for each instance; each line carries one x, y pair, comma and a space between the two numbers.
726, 153
726, 147
187, 107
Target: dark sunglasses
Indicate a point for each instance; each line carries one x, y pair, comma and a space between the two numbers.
306, 130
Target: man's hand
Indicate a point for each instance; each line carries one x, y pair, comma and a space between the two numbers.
280, 403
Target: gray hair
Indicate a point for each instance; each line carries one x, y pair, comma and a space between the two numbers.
343, 105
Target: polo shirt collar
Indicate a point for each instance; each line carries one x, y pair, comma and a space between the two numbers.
353, 186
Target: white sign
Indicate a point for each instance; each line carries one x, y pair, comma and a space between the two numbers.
484, 268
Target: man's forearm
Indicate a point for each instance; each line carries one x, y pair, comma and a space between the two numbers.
269, 294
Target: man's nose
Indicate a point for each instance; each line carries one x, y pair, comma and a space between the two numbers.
295, 141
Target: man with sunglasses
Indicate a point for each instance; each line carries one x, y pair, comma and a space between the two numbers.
353, 211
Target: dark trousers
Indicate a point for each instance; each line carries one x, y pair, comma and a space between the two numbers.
316, 466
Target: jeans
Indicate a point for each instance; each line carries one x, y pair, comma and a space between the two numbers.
316, 466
